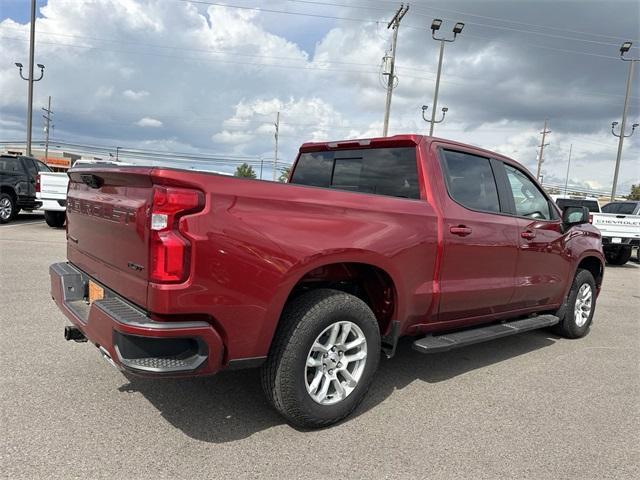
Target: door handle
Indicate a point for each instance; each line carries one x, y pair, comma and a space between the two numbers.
529, 235
460, 230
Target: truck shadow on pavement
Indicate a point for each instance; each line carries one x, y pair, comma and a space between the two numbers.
231, 405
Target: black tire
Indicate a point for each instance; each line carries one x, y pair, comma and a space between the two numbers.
619, 256
16, 212
55, 219
7, 208
284, 372
568, 327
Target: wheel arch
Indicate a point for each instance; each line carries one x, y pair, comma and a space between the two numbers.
595, 265
9, 190
370, 277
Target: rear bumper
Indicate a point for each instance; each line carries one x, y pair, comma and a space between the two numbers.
608, 241
129, 337
53, 205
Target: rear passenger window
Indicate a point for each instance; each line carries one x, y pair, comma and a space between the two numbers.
381, 171
31, 168
470, 181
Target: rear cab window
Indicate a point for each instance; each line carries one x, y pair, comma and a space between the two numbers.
622, 208
592, 205
379, 171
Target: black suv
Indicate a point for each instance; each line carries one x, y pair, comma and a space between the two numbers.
18, 177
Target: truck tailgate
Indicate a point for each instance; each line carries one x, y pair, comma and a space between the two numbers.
617, 225
53, 186
107, 227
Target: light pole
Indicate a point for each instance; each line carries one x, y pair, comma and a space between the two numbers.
435, 26
30, 79
626, 46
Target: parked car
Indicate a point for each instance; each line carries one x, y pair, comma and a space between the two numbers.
181, 273
619, 224
18, 176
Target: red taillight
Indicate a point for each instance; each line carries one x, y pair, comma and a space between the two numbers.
38, 183
590, 218
170, 251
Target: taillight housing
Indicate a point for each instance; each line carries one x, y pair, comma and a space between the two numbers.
38, 183
590, 218
170, 247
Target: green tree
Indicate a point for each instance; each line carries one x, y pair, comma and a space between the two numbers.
284, 174
634, 194
245, 170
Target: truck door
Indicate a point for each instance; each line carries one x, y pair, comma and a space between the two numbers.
480, 241
543, 264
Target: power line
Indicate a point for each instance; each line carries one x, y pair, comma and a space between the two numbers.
297, 67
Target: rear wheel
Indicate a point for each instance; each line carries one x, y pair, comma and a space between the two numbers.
619, 256
323, 358
577, 312
55, 219
7, 208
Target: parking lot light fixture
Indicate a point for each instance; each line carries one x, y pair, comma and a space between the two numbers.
435, 26
624, 48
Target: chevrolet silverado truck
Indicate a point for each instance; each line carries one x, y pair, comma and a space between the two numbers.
619, 224
183, 273
18, 178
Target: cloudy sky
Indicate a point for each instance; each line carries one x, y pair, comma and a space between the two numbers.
209, 76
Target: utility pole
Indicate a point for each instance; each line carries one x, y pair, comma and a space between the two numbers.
275, 156
566, 180
542, 145
47, 127
626, 46
395, 25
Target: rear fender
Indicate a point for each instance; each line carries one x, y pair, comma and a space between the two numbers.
299, 270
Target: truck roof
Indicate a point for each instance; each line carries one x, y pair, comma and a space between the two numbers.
402, 140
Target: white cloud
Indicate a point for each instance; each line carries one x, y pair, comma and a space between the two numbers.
104, 57
133, 95
149, 122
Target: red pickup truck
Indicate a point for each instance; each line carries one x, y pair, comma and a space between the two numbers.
182, 273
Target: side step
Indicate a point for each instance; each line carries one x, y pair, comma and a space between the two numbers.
449, 341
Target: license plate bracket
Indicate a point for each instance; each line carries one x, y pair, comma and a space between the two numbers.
96, 292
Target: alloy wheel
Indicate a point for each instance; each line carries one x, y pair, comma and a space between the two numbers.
335, 363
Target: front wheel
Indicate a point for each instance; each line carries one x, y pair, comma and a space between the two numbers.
55, 219
577, 312
323, 358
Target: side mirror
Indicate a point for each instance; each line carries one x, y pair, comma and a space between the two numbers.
575, 216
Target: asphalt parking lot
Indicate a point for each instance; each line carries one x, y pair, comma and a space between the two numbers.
530, 406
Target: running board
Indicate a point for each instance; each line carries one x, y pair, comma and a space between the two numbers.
449, 341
